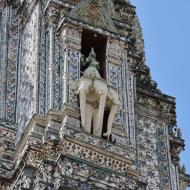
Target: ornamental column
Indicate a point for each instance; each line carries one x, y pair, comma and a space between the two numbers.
70, 72
52, 14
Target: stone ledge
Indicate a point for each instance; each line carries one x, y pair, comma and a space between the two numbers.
121, 163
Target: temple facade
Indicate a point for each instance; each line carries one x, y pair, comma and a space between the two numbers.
78, 106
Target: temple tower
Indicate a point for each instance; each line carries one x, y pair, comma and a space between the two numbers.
78, 106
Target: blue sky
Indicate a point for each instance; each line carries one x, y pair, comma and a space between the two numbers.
166, 29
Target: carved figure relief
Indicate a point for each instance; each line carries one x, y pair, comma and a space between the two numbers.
95, 97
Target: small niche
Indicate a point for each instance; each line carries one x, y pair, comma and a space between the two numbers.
91, 39
98, 42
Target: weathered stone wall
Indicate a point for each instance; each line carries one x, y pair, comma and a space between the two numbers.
153, 142
147, 152
3, 33
40, 53
28, 71
72, 174
75, 160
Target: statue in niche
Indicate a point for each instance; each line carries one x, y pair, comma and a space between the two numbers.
95, 97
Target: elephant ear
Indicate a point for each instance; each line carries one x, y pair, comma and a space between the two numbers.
113, 95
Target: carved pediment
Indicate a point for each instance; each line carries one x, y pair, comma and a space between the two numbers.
94, 12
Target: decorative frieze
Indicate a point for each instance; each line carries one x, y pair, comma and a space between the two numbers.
43, 70
8, 63
97, 156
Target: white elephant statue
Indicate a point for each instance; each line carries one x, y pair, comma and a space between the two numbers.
95, 96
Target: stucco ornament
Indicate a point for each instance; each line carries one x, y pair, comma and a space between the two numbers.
96, 96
